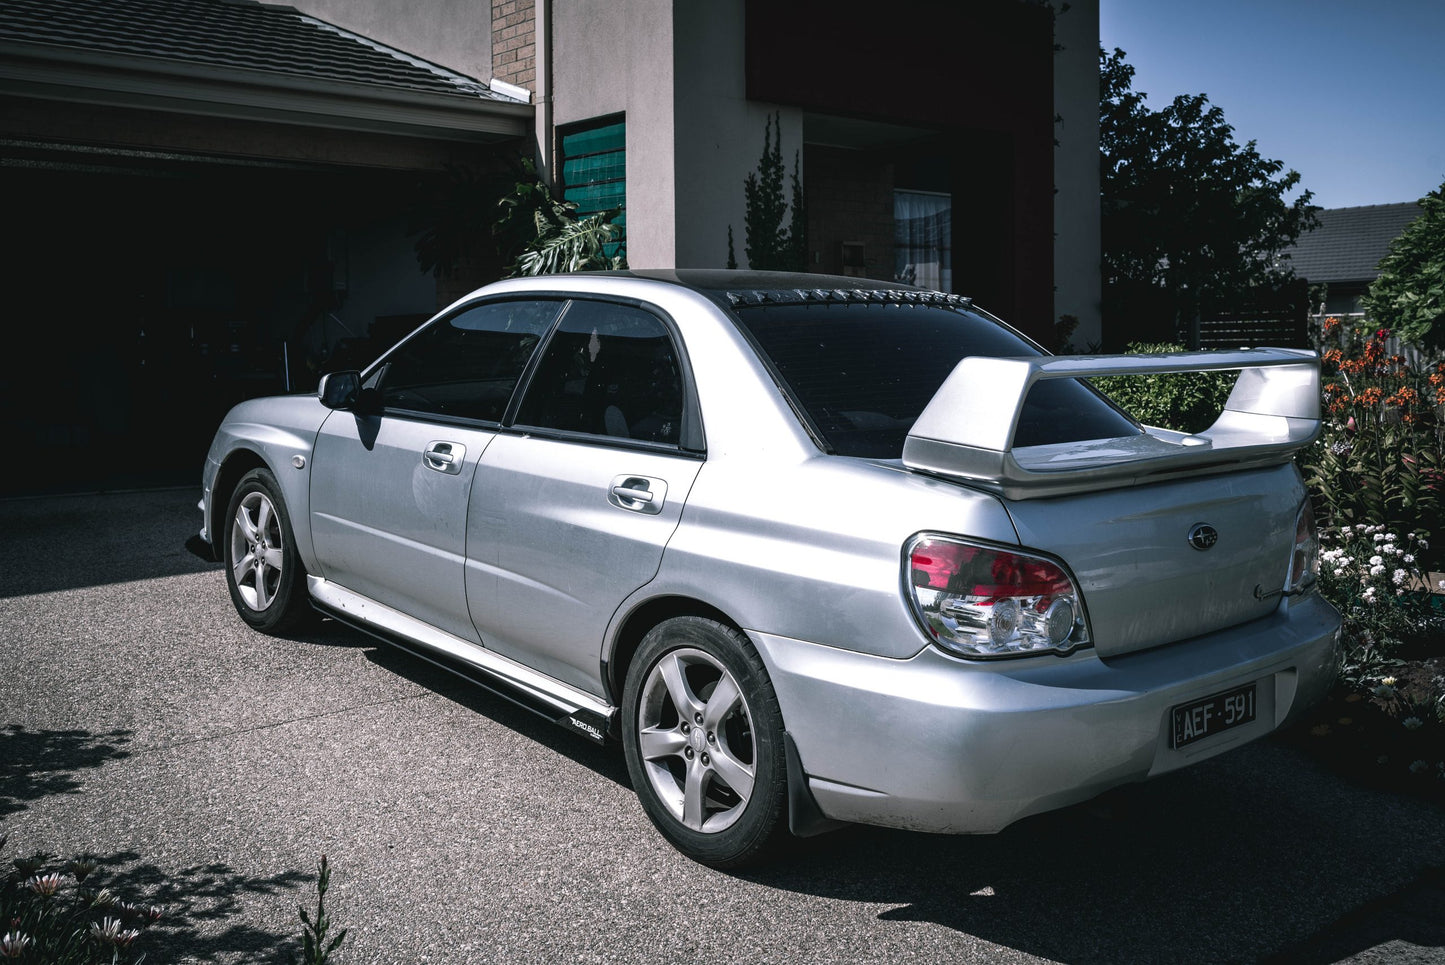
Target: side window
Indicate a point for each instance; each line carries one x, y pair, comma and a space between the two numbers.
467, 364
610, 370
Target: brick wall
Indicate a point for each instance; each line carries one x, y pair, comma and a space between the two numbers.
849, 196
514, 42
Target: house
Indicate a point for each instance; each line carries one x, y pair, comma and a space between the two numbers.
214, 199
1343, 252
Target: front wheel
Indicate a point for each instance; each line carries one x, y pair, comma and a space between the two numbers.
703, 736
263, 569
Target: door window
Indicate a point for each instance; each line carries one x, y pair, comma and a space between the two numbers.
610, 370
466, 365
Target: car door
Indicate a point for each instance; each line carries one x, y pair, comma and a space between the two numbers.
390, 482
574, 503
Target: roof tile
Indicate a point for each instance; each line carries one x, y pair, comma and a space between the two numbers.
1349, 242
238, 34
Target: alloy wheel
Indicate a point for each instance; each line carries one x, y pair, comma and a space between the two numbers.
695, 738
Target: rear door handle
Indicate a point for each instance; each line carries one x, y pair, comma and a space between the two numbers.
445, 457
638, 494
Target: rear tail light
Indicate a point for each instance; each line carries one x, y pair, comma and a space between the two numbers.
984, 602
1304, 562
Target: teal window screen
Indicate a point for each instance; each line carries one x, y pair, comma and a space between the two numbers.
594, 172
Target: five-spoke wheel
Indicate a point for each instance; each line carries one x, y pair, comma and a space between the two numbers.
703, 739
263, 570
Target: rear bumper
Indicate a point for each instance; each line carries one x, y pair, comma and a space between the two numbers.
934, 743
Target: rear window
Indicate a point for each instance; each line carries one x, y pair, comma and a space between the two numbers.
864, 372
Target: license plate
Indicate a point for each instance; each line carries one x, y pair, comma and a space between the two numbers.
1213, 715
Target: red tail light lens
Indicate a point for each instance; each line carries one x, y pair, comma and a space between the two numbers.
979, 601
1304, 563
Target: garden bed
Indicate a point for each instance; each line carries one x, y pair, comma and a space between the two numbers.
1386, 735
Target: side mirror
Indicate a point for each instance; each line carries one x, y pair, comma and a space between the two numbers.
339, 390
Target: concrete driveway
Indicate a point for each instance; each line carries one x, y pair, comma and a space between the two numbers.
209, 766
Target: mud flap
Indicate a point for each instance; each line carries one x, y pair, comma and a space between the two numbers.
805, 818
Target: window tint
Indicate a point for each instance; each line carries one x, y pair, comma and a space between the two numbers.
864, 372
467, 364
610, 370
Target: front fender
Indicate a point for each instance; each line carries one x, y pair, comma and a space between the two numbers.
280, 434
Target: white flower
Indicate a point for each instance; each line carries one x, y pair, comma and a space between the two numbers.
1377, 570
1417, 766
1442, 584
1388, 681
1379, 538
1377, 560
1391, 537
1339, 572
1424, 545
1409, 557
1369, 595
1387, 548
1399, 577
1400, 591
1412, 723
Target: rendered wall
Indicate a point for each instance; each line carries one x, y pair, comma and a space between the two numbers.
616, 58
719, 132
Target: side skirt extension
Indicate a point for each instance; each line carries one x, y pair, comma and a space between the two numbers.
566, 706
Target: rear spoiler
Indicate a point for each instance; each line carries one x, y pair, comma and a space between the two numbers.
967, 430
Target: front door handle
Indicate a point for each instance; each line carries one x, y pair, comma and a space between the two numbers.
638, 494
445, 457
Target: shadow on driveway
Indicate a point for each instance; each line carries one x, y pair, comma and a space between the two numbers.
38, 764
98, 539
1219, 863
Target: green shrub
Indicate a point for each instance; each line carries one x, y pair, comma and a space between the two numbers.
1184, 401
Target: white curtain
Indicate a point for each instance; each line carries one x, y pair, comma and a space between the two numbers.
923, 239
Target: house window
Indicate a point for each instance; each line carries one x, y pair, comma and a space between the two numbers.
594, 171
923, 239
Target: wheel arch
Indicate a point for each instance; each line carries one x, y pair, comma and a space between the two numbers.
805, 818
638, 622
237, 463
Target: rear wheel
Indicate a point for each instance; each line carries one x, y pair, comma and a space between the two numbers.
263, 569
703, 736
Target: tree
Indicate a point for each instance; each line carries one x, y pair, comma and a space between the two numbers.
769, 245
1188, 215
1408, 297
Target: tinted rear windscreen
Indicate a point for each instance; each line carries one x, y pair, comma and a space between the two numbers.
864, 372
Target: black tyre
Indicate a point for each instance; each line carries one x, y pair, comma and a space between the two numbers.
263, 570
703, 736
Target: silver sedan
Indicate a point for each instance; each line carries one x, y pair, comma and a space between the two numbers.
813, 550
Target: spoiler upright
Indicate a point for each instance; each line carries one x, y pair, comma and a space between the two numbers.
967, 429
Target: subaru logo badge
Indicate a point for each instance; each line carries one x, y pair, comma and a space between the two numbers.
1203, 536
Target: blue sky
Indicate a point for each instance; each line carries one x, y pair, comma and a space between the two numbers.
1351, 94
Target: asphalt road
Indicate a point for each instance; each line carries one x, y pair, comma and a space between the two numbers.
209, 766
